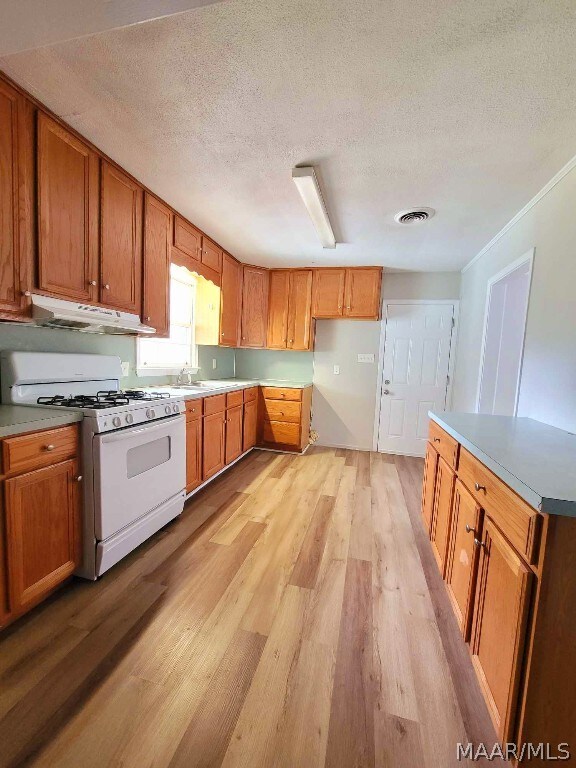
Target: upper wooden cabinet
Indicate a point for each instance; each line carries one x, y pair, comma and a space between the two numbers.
211, 254
362, 292
16, 202
352, 292
328, 292
156, 286
120, 240
67, 213
187, 239
289, 309
254, 307
230, 301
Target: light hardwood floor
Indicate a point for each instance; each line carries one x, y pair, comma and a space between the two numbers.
302, 625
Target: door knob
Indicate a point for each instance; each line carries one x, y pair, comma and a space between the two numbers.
478, 543
386, 392
387, 381
92, 282
469, 529
79, 479
479, 487
107, 287
49, 447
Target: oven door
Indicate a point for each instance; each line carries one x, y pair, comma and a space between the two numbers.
136, 470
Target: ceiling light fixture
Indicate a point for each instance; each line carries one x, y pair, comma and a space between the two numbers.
307, 184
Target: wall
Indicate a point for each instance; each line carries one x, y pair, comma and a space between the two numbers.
421, 285
548, 384
224, 357
273, 364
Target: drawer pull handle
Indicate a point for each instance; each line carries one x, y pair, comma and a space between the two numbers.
478, 543
49, 447
469, 529
479, 487
436, 439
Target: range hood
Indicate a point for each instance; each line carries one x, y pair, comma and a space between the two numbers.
57, 313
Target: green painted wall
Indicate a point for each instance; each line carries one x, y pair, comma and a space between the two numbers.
274, 364
224, 362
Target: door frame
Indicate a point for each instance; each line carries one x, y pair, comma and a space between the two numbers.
512, 267
380, 375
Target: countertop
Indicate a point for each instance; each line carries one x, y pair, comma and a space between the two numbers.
207, 387
16, 419
536, 460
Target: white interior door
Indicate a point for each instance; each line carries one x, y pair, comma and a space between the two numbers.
418, 340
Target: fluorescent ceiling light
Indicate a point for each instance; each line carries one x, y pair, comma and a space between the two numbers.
307, 184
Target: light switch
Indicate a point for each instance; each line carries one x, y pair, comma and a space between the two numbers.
365, 358
336, 369
125, 368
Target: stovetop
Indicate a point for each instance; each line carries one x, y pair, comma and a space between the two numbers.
104, 399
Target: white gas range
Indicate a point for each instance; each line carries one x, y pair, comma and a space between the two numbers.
133, 446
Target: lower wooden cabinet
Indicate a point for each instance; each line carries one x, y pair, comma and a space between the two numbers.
429, 481
42, 513
214, 444
194, 443
233, 433
442, 510
250, 424
285, 418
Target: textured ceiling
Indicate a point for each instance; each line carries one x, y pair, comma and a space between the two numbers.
465, 106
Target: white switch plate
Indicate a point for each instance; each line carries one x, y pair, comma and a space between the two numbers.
365, 358
214, 363
125, 368
336, 369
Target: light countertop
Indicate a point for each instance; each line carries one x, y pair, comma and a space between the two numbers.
17, 419
536, 460
208, 387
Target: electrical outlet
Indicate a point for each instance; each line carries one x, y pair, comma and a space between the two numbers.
125, 369
336, 370
214, 364
365, 358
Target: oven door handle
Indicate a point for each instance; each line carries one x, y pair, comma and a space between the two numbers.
144, 429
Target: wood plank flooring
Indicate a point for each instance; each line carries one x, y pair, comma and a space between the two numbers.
303, 624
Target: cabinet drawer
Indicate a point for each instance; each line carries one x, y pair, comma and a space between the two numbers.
517, 520
234, 398
281, 433
214, 404
277, 410
40, 449
281, 393
250, 394
194, 409
446, 446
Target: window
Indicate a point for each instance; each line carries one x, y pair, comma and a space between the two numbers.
162, 357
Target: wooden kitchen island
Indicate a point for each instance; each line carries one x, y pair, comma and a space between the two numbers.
499, 506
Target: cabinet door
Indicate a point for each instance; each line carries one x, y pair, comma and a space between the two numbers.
300, 310
187, 239
233, 433
230, 301
254, 307
278, 309
16, 182
157, 244
120, 240
362, 294
213, 444
42, 521
428, 486
442, 512
250, 424
499, 626
193, 453
67, 213
328, 292
211, 255
462, 559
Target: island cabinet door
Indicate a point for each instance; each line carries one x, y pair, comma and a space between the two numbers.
214, 444
463, 554
442, 512
499, 626
428, 486
42, 527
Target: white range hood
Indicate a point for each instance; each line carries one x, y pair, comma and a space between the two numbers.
57, 313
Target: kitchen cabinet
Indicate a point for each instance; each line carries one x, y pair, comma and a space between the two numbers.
68, 213
214, 444
430, 467
250, 424
328, 292
16, 202
284, 416
462, 559
254, 307
442, 512
230, 301
233, 433
156, 275
188, 240
194, 445
211, 255
499, 626
362, 293
289, 309
120, 240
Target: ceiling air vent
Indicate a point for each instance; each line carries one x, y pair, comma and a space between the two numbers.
414, 215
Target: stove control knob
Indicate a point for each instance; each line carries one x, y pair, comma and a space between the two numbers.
129, 418
116, 421
150, 413
168, 410
175, 408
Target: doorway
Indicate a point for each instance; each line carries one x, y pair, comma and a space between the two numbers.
503, 343
416, 360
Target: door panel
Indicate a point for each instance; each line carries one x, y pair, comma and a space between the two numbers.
254, 307
230, 302
441, 516
187, 239
42, 520
250, 424
193, 452
462, 560
157, 243
300, 310
67, 213
211, 255
278, 309
499, 626
417, 351
428, 486
362, 293
233, 433
328, 292
213, 444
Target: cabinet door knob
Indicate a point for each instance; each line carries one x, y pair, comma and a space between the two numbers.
148, 318
92, 282
26, 293
79, 479
107, 287
478, 543
469, 529
348, 307
479, 487
49, 447
437, 440
222, 334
